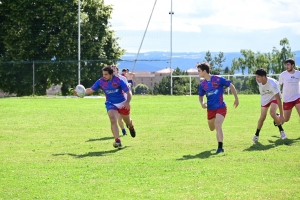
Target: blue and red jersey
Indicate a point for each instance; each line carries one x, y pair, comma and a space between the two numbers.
113, 89
214, 89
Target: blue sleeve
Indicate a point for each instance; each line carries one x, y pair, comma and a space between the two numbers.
124, 86
96, 85
201, 92
225, 82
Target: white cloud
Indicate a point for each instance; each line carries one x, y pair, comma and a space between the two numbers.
190, 15
201, 25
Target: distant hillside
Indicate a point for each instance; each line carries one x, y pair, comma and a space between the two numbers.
154, 61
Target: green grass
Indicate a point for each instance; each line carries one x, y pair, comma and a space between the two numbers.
62, 149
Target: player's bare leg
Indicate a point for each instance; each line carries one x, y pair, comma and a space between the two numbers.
219, 132
262, 118
298, 108
277, 120
113, 117
218, 125
211, 124
128, 122
273, 109
287, 115
121, 124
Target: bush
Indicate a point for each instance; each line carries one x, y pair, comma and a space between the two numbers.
141, 89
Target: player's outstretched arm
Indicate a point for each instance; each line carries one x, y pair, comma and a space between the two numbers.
89, 91
234, 92
279, 102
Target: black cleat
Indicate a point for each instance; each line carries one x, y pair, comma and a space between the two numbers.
220, 150
132, 131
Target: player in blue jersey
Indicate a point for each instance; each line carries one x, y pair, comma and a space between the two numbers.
213, 87
114, 89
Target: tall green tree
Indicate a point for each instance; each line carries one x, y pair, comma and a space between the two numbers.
215, 62
35, 31
218, 63
209, 59
279, 56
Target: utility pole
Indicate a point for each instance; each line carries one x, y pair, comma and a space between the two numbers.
171, 71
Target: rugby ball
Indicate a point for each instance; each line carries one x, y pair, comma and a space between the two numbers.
80, 90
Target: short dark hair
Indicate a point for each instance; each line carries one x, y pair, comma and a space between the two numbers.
123, 70
203, 66
261, 72
290, 60
108, 69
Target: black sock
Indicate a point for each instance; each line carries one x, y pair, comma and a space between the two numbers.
257, 132
220, 145
280, 128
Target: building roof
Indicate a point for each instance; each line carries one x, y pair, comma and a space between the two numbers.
166, 70
192, 70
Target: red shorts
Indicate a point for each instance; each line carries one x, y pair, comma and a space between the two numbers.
212, 113
110, 106
268, 105
124, 111
290, 105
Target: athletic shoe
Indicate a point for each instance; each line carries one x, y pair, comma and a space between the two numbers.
124, 132
220, 150
132, 131
274, 121
283, 135
117, 145
255, 138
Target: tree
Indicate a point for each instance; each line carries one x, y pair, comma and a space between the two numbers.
279, 57
215, 62
37, 30
271, 62
227, 70
209, 59
141, 89
218, 60
181, 85
250, 62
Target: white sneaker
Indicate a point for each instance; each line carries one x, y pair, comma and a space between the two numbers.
283, 135
255, 138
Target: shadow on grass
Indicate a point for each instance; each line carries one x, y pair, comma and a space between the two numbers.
100, 139
89, 154
287, 141
202, 155
273, 143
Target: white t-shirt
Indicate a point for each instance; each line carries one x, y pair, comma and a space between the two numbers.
123, 78
268, 90
291, 88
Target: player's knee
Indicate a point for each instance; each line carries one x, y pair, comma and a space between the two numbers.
212, 128
113, 120
286, 119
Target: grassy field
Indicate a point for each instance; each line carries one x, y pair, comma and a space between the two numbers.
62, 149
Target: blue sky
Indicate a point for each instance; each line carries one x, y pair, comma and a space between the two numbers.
202, 25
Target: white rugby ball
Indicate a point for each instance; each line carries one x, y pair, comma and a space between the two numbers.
80, 89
